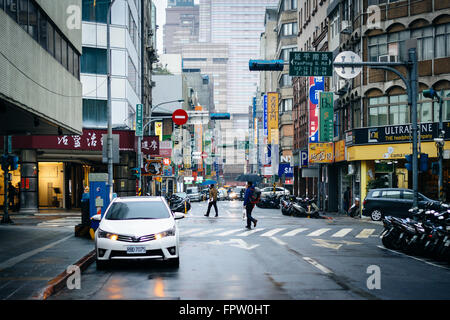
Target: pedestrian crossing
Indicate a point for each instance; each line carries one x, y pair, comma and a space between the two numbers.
282, 232
67, 222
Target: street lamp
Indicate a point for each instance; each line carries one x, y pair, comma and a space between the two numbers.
431, 93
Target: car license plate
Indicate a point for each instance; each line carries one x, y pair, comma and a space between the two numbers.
135, 250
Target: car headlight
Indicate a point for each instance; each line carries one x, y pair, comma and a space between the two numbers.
167, 233
107, 235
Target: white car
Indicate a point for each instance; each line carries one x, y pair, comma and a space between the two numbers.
137, 228
265, 192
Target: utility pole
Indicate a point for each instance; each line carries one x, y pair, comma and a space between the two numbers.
109, 113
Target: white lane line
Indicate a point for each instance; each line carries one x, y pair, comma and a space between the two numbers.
280, 242
13, 261
342, 233
318, 232
294, 232
415, 258
204, 233
185, 232
317, 265
272, 232
247, 233
226, 233
365, 233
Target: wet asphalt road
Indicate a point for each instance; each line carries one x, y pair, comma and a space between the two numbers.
282, 258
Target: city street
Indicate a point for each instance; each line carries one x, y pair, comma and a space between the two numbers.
283, 258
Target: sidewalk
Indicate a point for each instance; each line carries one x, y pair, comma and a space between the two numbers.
33, 260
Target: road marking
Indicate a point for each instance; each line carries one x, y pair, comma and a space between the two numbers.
318, 232
317, 265
415, 258
203, 233
185, 232
272, 232
280, 242
365, 233
294, 232
342, 233
226, 233
13, 261
247, 233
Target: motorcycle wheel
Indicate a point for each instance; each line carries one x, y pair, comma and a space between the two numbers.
388, 240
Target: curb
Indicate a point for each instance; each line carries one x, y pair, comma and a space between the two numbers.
58, 283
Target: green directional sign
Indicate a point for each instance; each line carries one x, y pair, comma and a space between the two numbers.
139, 120
326, 117
310, 64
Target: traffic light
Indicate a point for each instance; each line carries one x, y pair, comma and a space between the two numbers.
266, 65
430, 93
136, 172
13, 162
423, 162
408, 164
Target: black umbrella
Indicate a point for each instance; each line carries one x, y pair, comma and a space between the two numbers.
254, 178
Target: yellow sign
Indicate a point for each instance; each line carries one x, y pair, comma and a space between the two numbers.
320, 152
272, 114
158, 130
390, 151
339, 151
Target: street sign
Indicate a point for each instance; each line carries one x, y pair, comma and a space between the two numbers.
139, 120
204, 155
347, 72
326, 131
166, 161
310, 64
180, 117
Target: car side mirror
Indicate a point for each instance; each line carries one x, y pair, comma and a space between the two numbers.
178, 215
97, 217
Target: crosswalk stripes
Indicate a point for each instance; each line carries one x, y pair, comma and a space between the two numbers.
68, 222
365, 233
282, 232
206, 232
294, 232
318, 232
247, 233
342, 233
272, 232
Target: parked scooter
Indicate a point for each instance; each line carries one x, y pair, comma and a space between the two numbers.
354, 210
269, 202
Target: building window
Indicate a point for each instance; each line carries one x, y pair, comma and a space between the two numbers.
289, 29
442, 42
284, 55
95, 11
93, 61
285, 81
289, 5
132, 74
95, 113
286, 105
132, 28
32, 20
424, 43
58, 46
11, 8
43, 31
23, 14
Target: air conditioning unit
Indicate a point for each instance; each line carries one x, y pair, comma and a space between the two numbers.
388, 58
346, 27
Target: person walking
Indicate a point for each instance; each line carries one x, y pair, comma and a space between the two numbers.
249, 205
347, 199
11, 195
212, 201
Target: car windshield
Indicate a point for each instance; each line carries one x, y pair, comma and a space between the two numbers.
131, 210
193, 190
180, 194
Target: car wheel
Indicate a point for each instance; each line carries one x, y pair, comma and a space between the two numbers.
174, 263
376, 215
101, 265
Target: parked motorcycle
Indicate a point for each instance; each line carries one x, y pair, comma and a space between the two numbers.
354, 210
286, 205
427, 233
269, 202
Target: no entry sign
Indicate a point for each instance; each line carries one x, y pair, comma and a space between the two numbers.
179, 117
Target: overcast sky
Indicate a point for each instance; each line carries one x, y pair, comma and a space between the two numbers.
161, 6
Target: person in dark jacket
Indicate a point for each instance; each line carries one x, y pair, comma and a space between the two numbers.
249, 205
11, 195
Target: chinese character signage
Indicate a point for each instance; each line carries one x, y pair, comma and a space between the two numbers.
150, 145
316, 86
139, 120
272, 114
158, 130
311, 64
326, 117
321, 152
265, 115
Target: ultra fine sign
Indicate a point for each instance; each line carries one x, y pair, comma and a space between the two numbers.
179, 117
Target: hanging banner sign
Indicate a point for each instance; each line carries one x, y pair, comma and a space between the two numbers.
316, 85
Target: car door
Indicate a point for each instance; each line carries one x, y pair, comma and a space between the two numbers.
392, 202
407, 202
